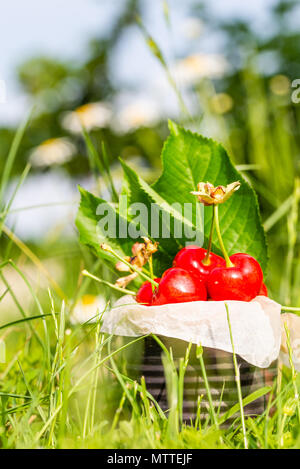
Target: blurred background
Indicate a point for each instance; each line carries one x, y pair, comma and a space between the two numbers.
224, 69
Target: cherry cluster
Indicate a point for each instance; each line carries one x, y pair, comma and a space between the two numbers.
197, 274
198, 277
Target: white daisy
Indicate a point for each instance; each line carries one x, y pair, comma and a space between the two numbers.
88, 307
191, 69
53, 151
90, 116
140, 112
192, 28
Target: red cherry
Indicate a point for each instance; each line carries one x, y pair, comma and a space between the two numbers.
178, 286
241, 282
145, 293
190, 258
263, 290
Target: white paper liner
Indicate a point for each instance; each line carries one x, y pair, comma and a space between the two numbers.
293, 324
256, 325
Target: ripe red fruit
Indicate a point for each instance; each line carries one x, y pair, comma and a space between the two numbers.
145, 293
241, 282
178, 286
191, 259
263, 290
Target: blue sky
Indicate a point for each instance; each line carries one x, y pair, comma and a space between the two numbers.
49, 27
63, 28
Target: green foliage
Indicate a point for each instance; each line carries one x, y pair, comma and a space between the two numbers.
81, 396
138, 191
41, 73
44, 365
187, 159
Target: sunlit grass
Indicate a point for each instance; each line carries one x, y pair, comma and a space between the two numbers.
67, 386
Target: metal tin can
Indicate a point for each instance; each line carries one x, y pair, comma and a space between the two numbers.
221, 376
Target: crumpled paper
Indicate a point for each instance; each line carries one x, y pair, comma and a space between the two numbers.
293, 324
256, 325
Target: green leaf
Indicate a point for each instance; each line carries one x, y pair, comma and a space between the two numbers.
162, 227
90, 222
87, 222
189, 158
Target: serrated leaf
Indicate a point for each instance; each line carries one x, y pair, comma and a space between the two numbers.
87, 222
90, 233
189, 158
138, 191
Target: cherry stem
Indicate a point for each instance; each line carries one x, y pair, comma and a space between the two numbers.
224, 252
114, 287
206, 260
132, 267
151, 271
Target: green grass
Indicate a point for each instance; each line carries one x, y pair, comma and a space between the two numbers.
66, 386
